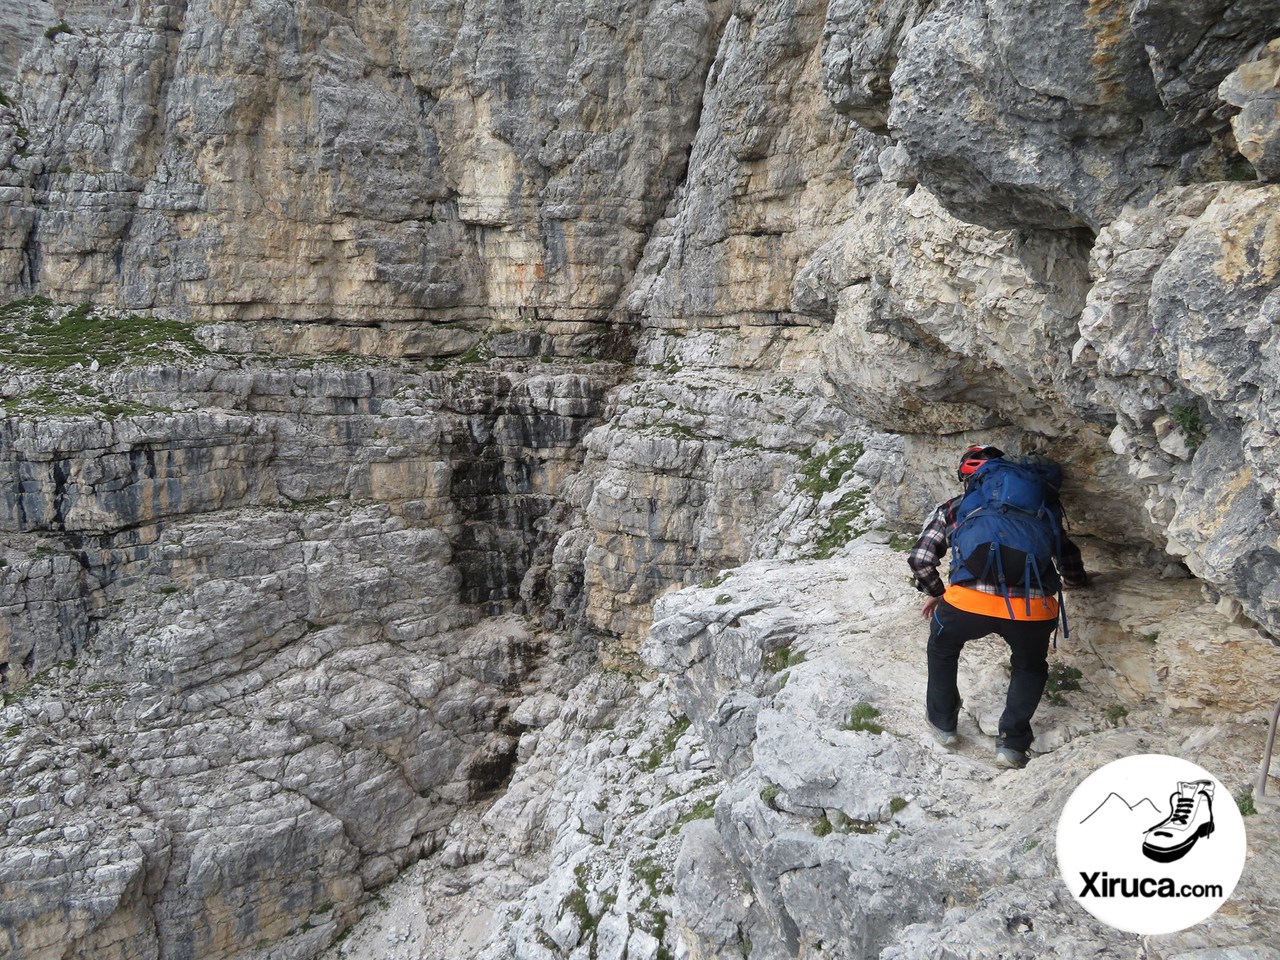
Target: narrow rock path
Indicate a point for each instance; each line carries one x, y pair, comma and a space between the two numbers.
1161, 669
877, 840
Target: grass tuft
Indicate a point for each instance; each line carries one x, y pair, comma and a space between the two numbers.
1061, 679
1245, 803
861, 717
781, 659
660, 751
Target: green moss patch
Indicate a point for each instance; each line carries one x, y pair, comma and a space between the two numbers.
823, 474
1061, 679
844, 523
656, 755
782, 658
71, 400
861, 717
704, 809
37, 334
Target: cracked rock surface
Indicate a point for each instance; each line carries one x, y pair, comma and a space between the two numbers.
432, 438
806, 836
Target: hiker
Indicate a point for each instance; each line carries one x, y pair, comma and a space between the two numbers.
993, 598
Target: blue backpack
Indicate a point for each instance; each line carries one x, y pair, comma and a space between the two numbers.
1009, 530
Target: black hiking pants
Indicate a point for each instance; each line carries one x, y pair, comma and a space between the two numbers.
950, 629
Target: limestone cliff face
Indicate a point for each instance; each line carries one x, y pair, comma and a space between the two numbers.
498, 321
248, 673
22, 25
1011, 135
353, 161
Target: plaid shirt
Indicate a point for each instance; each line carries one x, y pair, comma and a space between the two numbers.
935, 541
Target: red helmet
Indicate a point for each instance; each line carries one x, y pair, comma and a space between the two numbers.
975, 457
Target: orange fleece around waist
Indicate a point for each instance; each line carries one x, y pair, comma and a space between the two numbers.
994, 605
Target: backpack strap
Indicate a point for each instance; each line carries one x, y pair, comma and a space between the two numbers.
1058, 533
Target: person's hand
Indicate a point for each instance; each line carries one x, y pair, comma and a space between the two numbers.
929, 606
1078, 585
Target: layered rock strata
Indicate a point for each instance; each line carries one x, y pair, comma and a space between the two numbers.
263, 604
766, 186
248, 673
694, 472
23, 23
363, 162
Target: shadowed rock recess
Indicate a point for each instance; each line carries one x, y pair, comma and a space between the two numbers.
456, 460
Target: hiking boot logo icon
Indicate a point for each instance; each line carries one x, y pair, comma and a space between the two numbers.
1190, 818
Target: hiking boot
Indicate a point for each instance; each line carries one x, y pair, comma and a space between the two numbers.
944, 737
1009, 757
1190, 818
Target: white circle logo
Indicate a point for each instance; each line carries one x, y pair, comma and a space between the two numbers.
1151, 844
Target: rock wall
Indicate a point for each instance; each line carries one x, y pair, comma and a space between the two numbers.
1083, 295
510, 318
353, 161
251, 653
24, 21
727, 402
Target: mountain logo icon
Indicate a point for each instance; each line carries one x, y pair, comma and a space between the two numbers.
1117, 807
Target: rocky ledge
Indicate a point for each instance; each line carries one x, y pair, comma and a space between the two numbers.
797, 805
